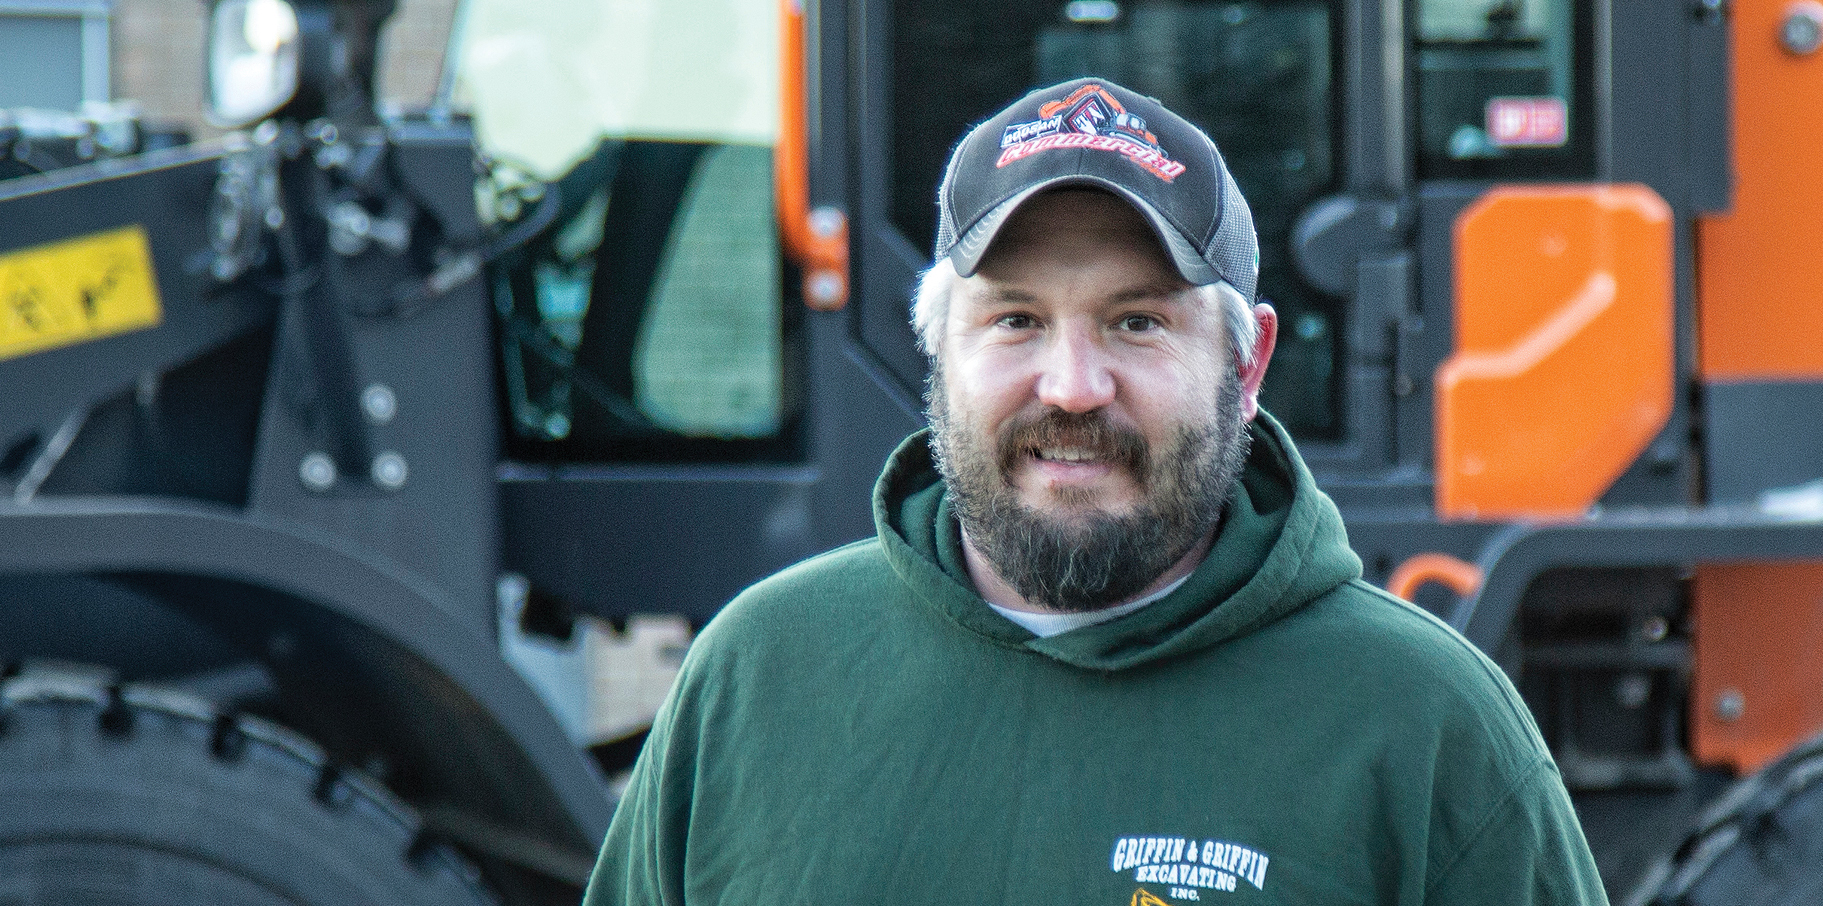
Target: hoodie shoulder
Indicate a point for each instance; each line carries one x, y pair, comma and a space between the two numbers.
1410, 656
816, 592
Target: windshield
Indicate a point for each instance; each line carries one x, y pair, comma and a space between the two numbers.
545, 81
647, 322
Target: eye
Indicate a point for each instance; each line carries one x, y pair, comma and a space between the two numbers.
1015, 322
1138, 323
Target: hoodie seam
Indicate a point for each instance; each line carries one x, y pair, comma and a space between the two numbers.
1534, 773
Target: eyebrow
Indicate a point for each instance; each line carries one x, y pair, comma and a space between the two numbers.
1173, 293
994, 297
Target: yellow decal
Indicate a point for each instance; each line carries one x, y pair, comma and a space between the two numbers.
1144, 897
77, 290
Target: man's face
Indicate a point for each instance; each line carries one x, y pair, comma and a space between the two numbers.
1088, 416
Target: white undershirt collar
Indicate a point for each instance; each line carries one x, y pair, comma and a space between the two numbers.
1045, 625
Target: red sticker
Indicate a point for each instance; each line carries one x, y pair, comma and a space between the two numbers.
1528, 122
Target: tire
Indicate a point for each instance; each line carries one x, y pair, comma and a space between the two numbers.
136, 795
1761, 842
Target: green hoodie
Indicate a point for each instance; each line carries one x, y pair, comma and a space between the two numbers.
863, 729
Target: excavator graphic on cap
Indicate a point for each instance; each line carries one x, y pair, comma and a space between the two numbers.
1091, 117
1089, 110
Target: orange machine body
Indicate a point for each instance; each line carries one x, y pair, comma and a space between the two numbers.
1760, 266
1757, 676
1563, 364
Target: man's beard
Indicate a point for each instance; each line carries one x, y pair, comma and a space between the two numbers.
1087, 559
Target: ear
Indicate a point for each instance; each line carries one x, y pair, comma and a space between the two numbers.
1251, 375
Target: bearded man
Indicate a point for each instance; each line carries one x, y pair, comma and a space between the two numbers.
1110, 645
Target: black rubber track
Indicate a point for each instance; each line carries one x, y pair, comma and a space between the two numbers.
112, 796
1760, 843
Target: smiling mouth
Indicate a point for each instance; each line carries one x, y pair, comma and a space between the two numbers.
1067, 454
1068, 445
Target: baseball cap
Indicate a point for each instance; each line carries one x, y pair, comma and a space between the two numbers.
1092, 132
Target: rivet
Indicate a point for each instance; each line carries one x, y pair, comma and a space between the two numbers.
389, 471
379, 404
824, 288
1730, 705
317, 472
1802, 29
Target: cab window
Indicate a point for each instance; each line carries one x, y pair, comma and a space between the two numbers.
646, 320
1502, 89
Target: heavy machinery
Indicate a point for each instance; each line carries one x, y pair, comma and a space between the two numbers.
312, 433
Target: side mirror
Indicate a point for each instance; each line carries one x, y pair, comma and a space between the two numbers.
296, 59
253, 60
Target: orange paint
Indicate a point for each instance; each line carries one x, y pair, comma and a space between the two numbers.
822, 255
1760, 267
1757, 629
1562, 372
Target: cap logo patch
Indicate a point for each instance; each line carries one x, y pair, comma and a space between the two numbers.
1089, 118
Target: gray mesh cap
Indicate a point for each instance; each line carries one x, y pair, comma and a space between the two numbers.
1092, 132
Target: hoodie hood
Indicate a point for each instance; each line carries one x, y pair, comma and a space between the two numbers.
1280, 546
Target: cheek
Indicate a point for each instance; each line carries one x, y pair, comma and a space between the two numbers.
1171, 397
986, 384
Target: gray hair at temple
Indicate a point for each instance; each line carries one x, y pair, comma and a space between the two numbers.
931, 308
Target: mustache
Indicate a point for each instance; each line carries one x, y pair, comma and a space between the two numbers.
1090, 430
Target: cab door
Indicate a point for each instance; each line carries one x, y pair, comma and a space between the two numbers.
676, 422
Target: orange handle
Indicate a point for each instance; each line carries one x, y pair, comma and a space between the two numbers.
1462, 578
816, 240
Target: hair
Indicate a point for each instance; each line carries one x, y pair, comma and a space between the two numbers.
930, 309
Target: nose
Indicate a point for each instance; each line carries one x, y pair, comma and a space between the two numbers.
1075, 374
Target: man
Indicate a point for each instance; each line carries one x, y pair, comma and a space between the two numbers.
1110, 645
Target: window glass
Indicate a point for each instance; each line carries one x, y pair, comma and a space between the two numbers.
1500, 89
647, 321
1255, 74
40, 61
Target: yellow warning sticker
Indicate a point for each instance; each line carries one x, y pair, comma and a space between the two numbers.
77, 290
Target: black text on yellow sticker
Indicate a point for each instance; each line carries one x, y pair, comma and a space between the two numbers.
76, 290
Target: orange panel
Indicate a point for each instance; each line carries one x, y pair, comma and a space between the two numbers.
1563, 366
1760, 267
1757, 683
816, 240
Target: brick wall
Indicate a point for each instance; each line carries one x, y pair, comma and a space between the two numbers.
158, 56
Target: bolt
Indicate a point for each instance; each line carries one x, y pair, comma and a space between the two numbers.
824, 288
317, 472
1802, 30
1633, 690
826, 222
275, 217
1654, 628
389, 471
1730, 704
379, 403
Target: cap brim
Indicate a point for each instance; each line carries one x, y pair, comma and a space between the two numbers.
974, 243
